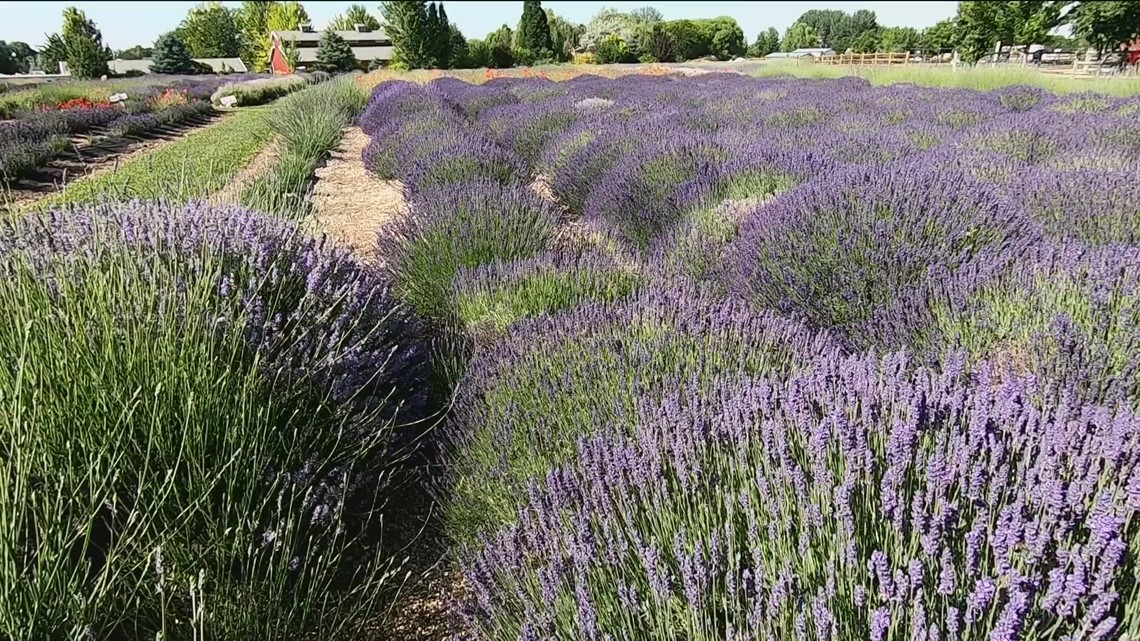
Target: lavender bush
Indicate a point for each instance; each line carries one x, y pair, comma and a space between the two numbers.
527, 399
213, 396
862, 499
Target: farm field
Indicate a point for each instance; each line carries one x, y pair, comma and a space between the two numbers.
638, 355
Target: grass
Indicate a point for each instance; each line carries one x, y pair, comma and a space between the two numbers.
194, 167
981, 78
308, 125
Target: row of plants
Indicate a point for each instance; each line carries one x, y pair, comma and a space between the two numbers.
307, 126
781, 359
260, 91
39, 134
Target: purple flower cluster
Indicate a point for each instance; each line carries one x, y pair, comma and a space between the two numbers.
863, 498
319, 322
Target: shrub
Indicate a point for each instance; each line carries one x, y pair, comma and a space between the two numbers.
184, 368
458, 226
864, 499
833, 251
527, 400
461, 162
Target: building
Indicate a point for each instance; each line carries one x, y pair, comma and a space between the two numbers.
367, 45
219, 65
801, 53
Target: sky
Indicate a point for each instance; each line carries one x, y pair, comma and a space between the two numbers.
125, 24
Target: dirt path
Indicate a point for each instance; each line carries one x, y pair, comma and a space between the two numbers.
261, 164
87, 159
352, 204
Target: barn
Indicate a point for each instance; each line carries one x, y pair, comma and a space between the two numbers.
367, 45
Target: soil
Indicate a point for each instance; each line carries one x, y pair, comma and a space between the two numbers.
352, 204
90, 156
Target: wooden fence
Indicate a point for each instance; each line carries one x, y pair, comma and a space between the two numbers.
869, 59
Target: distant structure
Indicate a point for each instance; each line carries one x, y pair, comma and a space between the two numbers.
812, 52
367, 45
219, 65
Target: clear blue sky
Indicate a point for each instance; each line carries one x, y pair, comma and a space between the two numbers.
125, 24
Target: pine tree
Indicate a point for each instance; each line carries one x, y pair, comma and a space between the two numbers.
406, 22
431, 33
171, 55
534, 31
334, 53
444, 40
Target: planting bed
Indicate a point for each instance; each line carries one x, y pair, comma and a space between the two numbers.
776, 358
653, 357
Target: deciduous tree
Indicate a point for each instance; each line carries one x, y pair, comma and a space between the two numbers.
211, 31
355, 14
86, 55
767, 41
253, 23
800, 36
1107, 24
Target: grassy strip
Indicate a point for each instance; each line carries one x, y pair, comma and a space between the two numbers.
982, 78
194, 167
309, 125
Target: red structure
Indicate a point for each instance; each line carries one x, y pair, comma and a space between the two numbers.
278, 63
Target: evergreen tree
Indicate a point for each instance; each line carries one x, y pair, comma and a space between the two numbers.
210, 31
171, 55
431, 28
406, 22
83, 42
564, 35
53, 52
444, 40
534, 31
334, 53
499, 50
459, 53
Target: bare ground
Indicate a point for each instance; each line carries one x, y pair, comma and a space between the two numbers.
261, 163
351, 203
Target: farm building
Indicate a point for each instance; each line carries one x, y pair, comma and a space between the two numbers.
219, 65
802, 53
367, 45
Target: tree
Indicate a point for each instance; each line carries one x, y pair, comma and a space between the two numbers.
982, 24
16, 57
137, 52
431, 29
500, 52
609, 21
478, 54
768, 41
647, 15
656, 43
171, 55
459, 50
838, 29
866, 42
687, 39
334, 53
800, 36
612, 49
354, 15
564, 35
939, 38
534, 31
1106, 24
54, 52
286, 16
253, 22
406, 23
86, 56
899, 39
210, 31
443, 39
722, 37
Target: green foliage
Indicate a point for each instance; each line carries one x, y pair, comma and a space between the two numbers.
191, 168
16, 57
334, 53
656, 43
308, 125
721, 37
1107, 24
355, 14
767, 41
478, 54
608, 22
443, 39
981, 24
800, 36
939, 38
253, 22
86, 55
460, 50
500, 51
137, 52
687, 37
838, 29
171, 55
407, 25
564, 35
534, 31
899, 39
613, 49
53, 52
211, 31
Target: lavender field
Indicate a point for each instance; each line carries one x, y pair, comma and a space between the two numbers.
654, 357
737, 358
